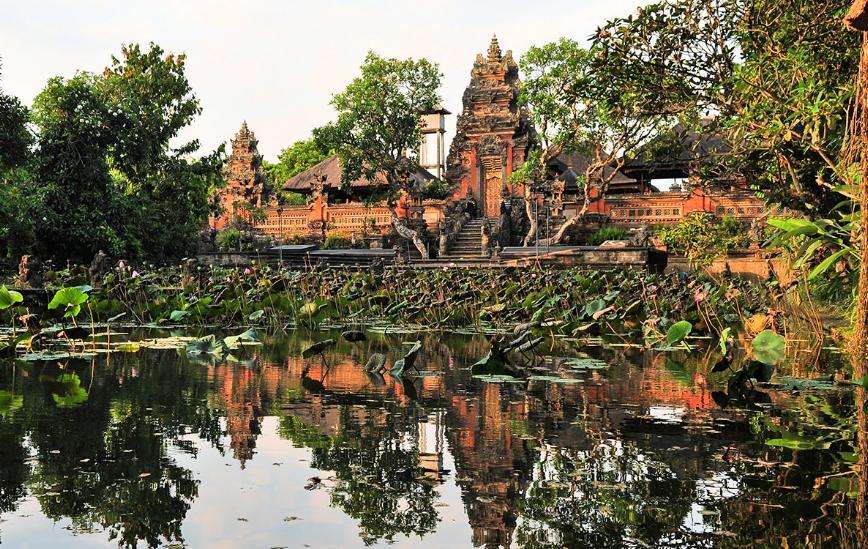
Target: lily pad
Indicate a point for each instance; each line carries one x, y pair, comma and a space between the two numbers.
769, 347
486, 378
586, 364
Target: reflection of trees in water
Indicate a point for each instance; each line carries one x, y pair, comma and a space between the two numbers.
609, 496
374, 454
554, 466
104, 462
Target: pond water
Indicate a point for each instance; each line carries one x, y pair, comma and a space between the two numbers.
267, 449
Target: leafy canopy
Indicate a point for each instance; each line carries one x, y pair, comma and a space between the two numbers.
105, 174
777, 74
379, 126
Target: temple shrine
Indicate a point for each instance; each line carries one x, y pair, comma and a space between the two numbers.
492, 132
246, 184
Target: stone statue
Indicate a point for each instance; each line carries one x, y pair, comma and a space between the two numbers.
642, 238
99, 267
756, 233
190, 271
485, 237
30, 272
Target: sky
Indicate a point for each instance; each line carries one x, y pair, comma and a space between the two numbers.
276, 63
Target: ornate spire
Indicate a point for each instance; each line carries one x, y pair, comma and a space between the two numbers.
494, 53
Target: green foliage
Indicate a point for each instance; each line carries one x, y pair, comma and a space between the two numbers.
604, 234
379, 120
437, 189
295, 159
104, 174
678, 332
290, 198
701, 238
779, 73
820, 244
82, 212
15, 139
229, 240
70, 300
337, 241
19, 210
575, 110
9, 298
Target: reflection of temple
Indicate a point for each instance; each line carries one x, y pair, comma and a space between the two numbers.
493, 465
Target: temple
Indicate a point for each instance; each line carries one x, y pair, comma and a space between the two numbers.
494, 134
246, 184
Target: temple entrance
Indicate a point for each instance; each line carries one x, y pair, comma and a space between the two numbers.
491, 186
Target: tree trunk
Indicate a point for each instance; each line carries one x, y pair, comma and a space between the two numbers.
406, 232
857, 19
860, 327
529, 210
556, 239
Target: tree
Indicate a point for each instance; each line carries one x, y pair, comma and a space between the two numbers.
70, 171
105, 171
575, 110
778, 75
297, 158
701, 240
166, 193
857, 19
16, 208
15, 139
152, 101
379, 127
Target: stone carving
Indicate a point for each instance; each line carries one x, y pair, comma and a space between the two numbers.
642, 238
30, 272
491, 125
485, 237
190, 270
756, 233
245, 180
99, 267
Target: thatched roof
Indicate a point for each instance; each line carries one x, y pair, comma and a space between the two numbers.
329, 171
570, 166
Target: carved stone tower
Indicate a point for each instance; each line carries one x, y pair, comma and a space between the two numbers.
492, 132
245, 181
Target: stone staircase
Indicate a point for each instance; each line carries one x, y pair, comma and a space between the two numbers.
468, 243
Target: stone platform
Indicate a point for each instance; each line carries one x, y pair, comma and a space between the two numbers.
548, 256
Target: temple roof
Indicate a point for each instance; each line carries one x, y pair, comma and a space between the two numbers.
494, 53
569, 166
329, 171
673, 153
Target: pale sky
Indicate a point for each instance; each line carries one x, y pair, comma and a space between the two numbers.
277, 63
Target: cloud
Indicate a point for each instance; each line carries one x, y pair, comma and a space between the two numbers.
277, 63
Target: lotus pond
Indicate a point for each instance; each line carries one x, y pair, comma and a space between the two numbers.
275, 443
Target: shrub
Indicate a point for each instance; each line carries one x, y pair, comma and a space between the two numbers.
436, 189
701, 239
228, 240
604, 234
337, 241
293, 199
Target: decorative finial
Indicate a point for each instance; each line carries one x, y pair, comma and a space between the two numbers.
494, 53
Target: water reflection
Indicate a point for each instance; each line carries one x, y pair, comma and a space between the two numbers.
637, 455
